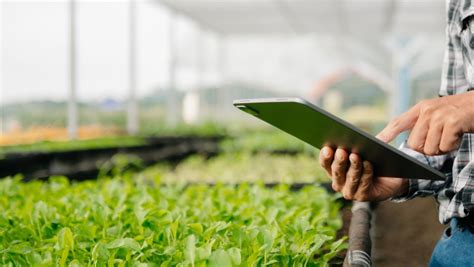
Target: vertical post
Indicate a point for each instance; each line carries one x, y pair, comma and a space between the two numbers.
172, 103
2, 113
223, 93
201, 70
200, 59
404, 88
400, 101
404, 91
72, 101
132, 107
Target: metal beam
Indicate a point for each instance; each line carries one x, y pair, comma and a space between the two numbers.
341, 16
259, 17
132, 108
390, 15
286, 12
171, 6
72, 101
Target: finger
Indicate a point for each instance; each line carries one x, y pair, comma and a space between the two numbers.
339, 168
451, 136
433, 139
326, 156
400, 124
416, 140
353, 176
365, 184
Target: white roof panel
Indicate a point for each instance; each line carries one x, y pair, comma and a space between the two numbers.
361, 17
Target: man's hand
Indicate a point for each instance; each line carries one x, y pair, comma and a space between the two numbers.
355, 179
436, 125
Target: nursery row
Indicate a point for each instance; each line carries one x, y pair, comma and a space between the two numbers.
239, 140
132, 220
169, 214
243, 167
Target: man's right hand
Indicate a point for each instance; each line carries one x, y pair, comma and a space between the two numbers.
437, 126
354, 177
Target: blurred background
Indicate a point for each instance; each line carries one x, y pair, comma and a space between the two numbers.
83, 69
145, 77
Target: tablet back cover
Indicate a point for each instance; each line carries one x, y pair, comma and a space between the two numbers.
318, 128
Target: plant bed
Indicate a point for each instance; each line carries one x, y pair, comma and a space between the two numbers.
241, 167
132, 220
83, 163
56, 146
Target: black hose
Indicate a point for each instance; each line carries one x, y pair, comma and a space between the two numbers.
360, 244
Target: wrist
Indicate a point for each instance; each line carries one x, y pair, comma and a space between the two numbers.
465, 104
403, 189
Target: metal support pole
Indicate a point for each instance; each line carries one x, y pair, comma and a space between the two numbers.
403, 58
72, 101
200, 60
2, 112
404, 88
223, 97
132, 108
404, 94
172, 103
201, 69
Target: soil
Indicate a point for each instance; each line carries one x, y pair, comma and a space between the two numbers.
405, 233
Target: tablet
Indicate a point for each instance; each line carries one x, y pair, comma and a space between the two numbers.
319, 128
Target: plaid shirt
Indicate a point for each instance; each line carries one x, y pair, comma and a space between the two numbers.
455, 195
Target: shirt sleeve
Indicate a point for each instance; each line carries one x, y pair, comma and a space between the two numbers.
422, 188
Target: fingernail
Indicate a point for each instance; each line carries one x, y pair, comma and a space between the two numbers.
326, 152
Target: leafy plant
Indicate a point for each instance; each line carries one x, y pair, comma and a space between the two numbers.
137, 221
243, 167
265, 140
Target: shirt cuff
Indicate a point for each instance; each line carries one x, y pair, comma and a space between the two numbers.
412, 192
420, 188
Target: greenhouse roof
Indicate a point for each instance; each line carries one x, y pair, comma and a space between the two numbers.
340, 17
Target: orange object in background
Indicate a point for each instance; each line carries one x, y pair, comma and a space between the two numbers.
42, 133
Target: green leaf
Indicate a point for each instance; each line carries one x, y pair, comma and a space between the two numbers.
66, 239
64, 255
197, 228
74, 263
235, 256
100, 252
203, 253
127, 243
220, 258
190, 251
